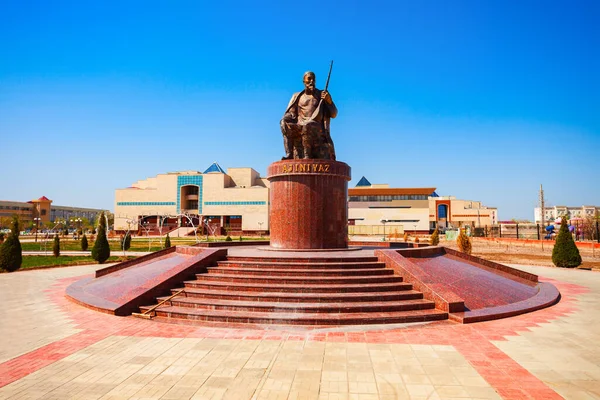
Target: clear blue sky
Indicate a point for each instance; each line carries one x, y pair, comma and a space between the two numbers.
483, 100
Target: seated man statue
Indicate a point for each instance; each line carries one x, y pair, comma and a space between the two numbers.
305, 124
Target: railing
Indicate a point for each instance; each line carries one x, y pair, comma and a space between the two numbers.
146, 314
388, 229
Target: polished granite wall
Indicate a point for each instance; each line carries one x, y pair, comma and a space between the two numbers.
309, 208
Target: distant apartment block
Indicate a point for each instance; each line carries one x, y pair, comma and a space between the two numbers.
43, 209
575, 212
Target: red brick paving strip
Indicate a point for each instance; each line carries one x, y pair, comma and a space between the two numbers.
504, 374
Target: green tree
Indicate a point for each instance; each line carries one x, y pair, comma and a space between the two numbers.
84, 243
464, 242
101, 249
1, 237
435, 238
565, 253
85, 223
11, 255
167, 241
104, 215
5, 222
126, 241
56, 246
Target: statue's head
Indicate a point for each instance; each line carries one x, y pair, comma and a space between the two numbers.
309, 81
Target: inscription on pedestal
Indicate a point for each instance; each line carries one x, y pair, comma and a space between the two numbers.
305, 167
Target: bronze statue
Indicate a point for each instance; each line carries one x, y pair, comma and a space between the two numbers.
305, 124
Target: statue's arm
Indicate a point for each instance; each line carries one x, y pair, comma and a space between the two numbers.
332, 109
328, 101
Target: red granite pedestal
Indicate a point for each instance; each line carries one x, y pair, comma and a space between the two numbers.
309, 208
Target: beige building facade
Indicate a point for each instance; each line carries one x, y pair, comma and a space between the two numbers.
449, 211
373, 208
233, 202
237, 202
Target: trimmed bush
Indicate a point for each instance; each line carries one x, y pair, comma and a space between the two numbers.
126, 241
464, 242
405, 236
435, 237
56, 246
101, 249
167, 241
228, 238
84, 243
565, 253
11, 255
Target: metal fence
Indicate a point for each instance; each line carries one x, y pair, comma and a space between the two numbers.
581, 231
388, 229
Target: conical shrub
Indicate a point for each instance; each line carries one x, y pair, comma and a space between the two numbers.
464, 242
565, 253
11, 256
126, 241
101, 249
56, 246
167, 241
84, 243
435, 238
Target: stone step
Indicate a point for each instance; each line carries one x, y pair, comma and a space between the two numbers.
307, 279
301, 265
302, 297
299, 287
197, 314
280, 307
300, 259
284, 272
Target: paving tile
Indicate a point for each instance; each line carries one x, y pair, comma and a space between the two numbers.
92, 355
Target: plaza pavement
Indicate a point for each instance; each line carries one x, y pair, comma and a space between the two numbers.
53, 349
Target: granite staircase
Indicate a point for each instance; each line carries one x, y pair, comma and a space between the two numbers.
297, 291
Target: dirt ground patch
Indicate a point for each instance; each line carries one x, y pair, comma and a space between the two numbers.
528, 254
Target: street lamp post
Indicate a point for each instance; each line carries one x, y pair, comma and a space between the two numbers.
37, 226
383, 221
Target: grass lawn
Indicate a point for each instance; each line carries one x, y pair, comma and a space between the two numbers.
137, 243
75, 245
51, 261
